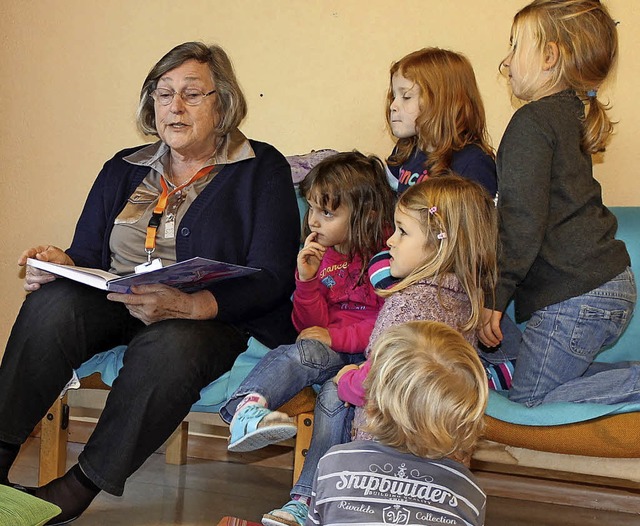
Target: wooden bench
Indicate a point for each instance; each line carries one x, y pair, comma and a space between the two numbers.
54, 432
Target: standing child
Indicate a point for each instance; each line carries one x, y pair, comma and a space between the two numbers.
334, 305
444, 252
560, 260
435, 111
414, 472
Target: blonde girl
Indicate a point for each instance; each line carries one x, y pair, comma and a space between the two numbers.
443, 251
570, 278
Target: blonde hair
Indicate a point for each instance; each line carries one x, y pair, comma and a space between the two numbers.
451, 110
230, 104
458, 219
426, 391
360, 183
587, 41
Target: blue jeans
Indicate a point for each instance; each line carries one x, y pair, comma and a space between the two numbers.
560, 342
331, 426
286, 370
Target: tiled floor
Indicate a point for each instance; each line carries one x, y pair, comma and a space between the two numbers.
203, 491
199, 493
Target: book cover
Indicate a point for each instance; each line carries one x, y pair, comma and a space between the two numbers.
189, 275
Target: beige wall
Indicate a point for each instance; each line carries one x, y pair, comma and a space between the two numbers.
314, 72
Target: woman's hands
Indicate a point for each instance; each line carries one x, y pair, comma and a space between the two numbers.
148, 303
35, 277
309, 258
490, 333
152, 303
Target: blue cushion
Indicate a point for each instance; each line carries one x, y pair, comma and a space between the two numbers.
627, 348
219, 391
501, 408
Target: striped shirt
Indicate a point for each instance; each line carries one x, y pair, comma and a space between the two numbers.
367, 483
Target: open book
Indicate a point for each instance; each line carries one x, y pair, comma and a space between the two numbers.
189, 275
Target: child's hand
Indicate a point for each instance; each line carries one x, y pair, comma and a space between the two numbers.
489, 332
350, 367
316, 333
309, 258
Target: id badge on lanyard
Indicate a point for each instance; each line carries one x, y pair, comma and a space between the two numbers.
156, 216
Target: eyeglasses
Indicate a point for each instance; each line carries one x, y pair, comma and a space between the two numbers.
190, 96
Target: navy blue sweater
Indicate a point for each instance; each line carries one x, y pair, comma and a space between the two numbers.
471, 162
246, 215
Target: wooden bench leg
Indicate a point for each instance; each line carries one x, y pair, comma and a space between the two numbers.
53, 442
177, 444
304, 422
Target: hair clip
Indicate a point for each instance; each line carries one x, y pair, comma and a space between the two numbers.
433, 210
442, 235
592, 93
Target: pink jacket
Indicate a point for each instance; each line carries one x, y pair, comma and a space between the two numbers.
333, 300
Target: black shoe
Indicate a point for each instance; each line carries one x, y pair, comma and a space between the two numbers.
19, 487
59, 522
72, 493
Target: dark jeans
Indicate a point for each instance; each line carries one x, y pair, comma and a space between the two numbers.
165, 366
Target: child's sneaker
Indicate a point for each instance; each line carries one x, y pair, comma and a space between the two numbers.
255, 427
293, 513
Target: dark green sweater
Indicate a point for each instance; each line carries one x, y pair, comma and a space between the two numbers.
557, 237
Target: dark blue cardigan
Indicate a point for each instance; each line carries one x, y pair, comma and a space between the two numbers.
246, 215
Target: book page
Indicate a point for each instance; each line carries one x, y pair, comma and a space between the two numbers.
90, 276
190, 275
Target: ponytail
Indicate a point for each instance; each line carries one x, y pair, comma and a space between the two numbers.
597, 126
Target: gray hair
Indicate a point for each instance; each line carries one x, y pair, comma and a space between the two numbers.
230, 105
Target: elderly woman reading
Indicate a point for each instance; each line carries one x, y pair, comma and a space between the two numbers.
218, 195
